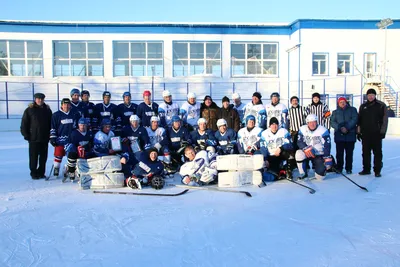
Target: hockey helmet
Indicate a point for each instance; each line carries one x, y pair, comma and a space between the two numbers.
311, 117
166, 93
221, 122
105, 122
175, 118
82, 121
134, 118
126, 94
65, 101
85, 92
154, 118
157, 182
191, 95
250, 117
106, 93
276, 94
147, 93
75, 91
201, 120
235, 96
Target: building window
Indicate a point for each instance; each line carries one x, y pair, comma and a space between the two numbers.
320, 64
369, 63
78, 58
197, 58
250, 59
345, 64
21, 58
138, 59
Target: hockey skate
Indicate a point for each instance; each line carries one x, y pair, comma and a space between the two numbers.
56, 171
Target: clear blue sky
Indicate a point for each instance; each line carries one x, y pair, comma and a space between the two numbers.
197, 11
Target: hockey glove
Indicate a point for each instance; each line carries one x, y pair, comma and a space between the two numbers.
53, 142
229, 149
359, 137
81, 152
197, 149
328, 163
309, 151
203, 145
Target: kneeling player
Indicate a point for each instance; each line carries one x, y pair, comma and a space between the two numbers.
179, 138
158, 139
202, 137
226, 138
314, 144
200, 168
249, 137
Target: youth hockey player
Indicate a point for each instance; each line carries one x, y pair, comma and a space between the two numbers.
239, 106
179, 138
123, 112
76, 105
200, 168
202, 137
226, 138
136, 137
167, 110
104, 110
249, 137
276, 146
256, 109
63, 122
158, 138
190, 111
147, 109
277, 110
315, 145
88, 108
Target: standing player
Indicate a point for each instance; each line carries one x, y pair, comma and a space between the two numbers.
277, 110
256, 109
190, 112
249, 137
226, 138
147, 109
104, 110
239, 106
76, 105
167, 110
123, 112
88, 108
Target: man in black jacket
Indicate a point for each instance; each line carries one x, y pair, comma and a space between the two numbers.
35, 127
372, 127
230, 114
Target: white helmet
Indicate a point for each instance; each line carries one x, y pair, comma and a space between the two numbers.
134, 118
154, 118
311, 117
221, 122
235, 96
201, 120
191, 95
166, 93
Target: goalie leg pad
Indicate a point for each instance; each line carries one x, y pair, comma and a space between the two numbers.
240, 162
239, 178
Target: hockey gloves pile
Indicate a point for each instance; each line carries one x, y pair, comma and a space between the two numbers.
309, 151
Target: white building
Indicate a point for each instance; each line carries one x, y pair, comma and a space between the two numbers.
325, 56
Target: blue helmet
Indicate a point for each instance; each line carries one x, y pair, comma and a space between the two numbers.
75, 91
175, 118
126, 94
105, 122
83, 121
250, 117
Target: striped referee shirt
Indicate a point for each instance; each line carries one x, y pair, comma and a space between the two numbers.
297, 118
322, 111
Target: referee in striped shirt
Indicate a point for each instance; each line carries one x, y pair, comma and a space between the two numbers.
297, 118
320, 109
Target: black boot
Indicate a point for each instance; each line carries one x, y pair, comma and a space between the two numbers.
364, 172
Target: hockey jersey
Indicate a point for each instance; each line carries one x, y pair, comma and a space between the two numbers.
271, 141
102, 143
240, 110
88, 111
166, 112
248, 140
78, 107
177, 136
147, 166
226, 138
258, 111
102, 111
158, 138
78, 138
138, 138
207, 137
122, 113
278, 111
319, 139
201, 167
145, 112
190, 113
62, 125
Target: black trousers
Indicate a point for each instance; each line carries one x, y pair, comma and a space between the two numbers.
295, 136
374, 143
341, 148
38, 154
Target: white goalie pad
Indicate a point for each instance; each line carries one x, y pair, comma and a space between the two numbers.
240, 162
239, 178
102, 180
104, 164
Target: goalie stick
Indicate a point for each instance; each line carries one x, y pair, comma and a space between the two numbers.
212, 189
142, 194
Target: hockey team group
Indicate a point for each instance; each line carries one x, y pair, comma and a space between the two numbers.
160, 139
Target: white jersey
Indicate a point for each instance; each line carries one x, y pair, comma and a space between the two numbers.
166, 112
202, 166
156, 136
319, 139
271, 141
190, 113
278, 111
240, 110
258, 111
249, 140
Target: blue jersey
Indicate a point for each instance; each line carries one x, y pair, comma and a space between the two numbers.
84, 139
122, 113
177, 136
226, 138
147, 166
62, 125
166, 111
145, 112
102, 111
78, 107
207, 138
88, 111
138, 138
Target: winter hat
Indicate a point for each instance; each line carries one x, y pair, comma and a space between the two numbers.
39, 95
371, 91
316, 95
273, 120
153, 149
225, 99
257, 94
294, 97
341, 99
206, 97
146, 93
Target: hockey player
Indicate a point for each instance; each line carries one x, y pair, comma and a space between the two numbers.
148, 171
315, 145
167, 109
104, 110
277, 110
320, 109
88, 108
63, 122
199, 169
226, 138
190, 111
76, 105
123, 112
249, 137
276, 146
158, 139
239, 106
257, 110
135, 136
179, 138
202, 137
147, 109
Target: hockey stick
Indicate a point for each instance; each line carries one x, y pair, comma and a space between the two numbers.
345, 176
311, 190
51, 170
213, 189
141, 194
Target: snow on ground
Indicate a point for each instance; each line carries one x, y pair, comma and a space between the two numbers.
54, 224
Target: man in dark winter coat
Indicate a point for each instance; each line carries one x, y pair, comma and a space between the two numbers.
209, 111
230, 114
35, 127
372, 127
344, 121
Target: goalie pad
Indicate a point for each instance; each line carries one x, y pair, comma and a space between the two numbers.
240, 162
104, 164
239, 178
102, 180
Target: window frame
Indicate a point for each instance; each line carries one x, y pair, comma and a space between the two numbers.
204, 59
70, 60
319, 61
26, 60
351, 61
246, 60
365, 62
